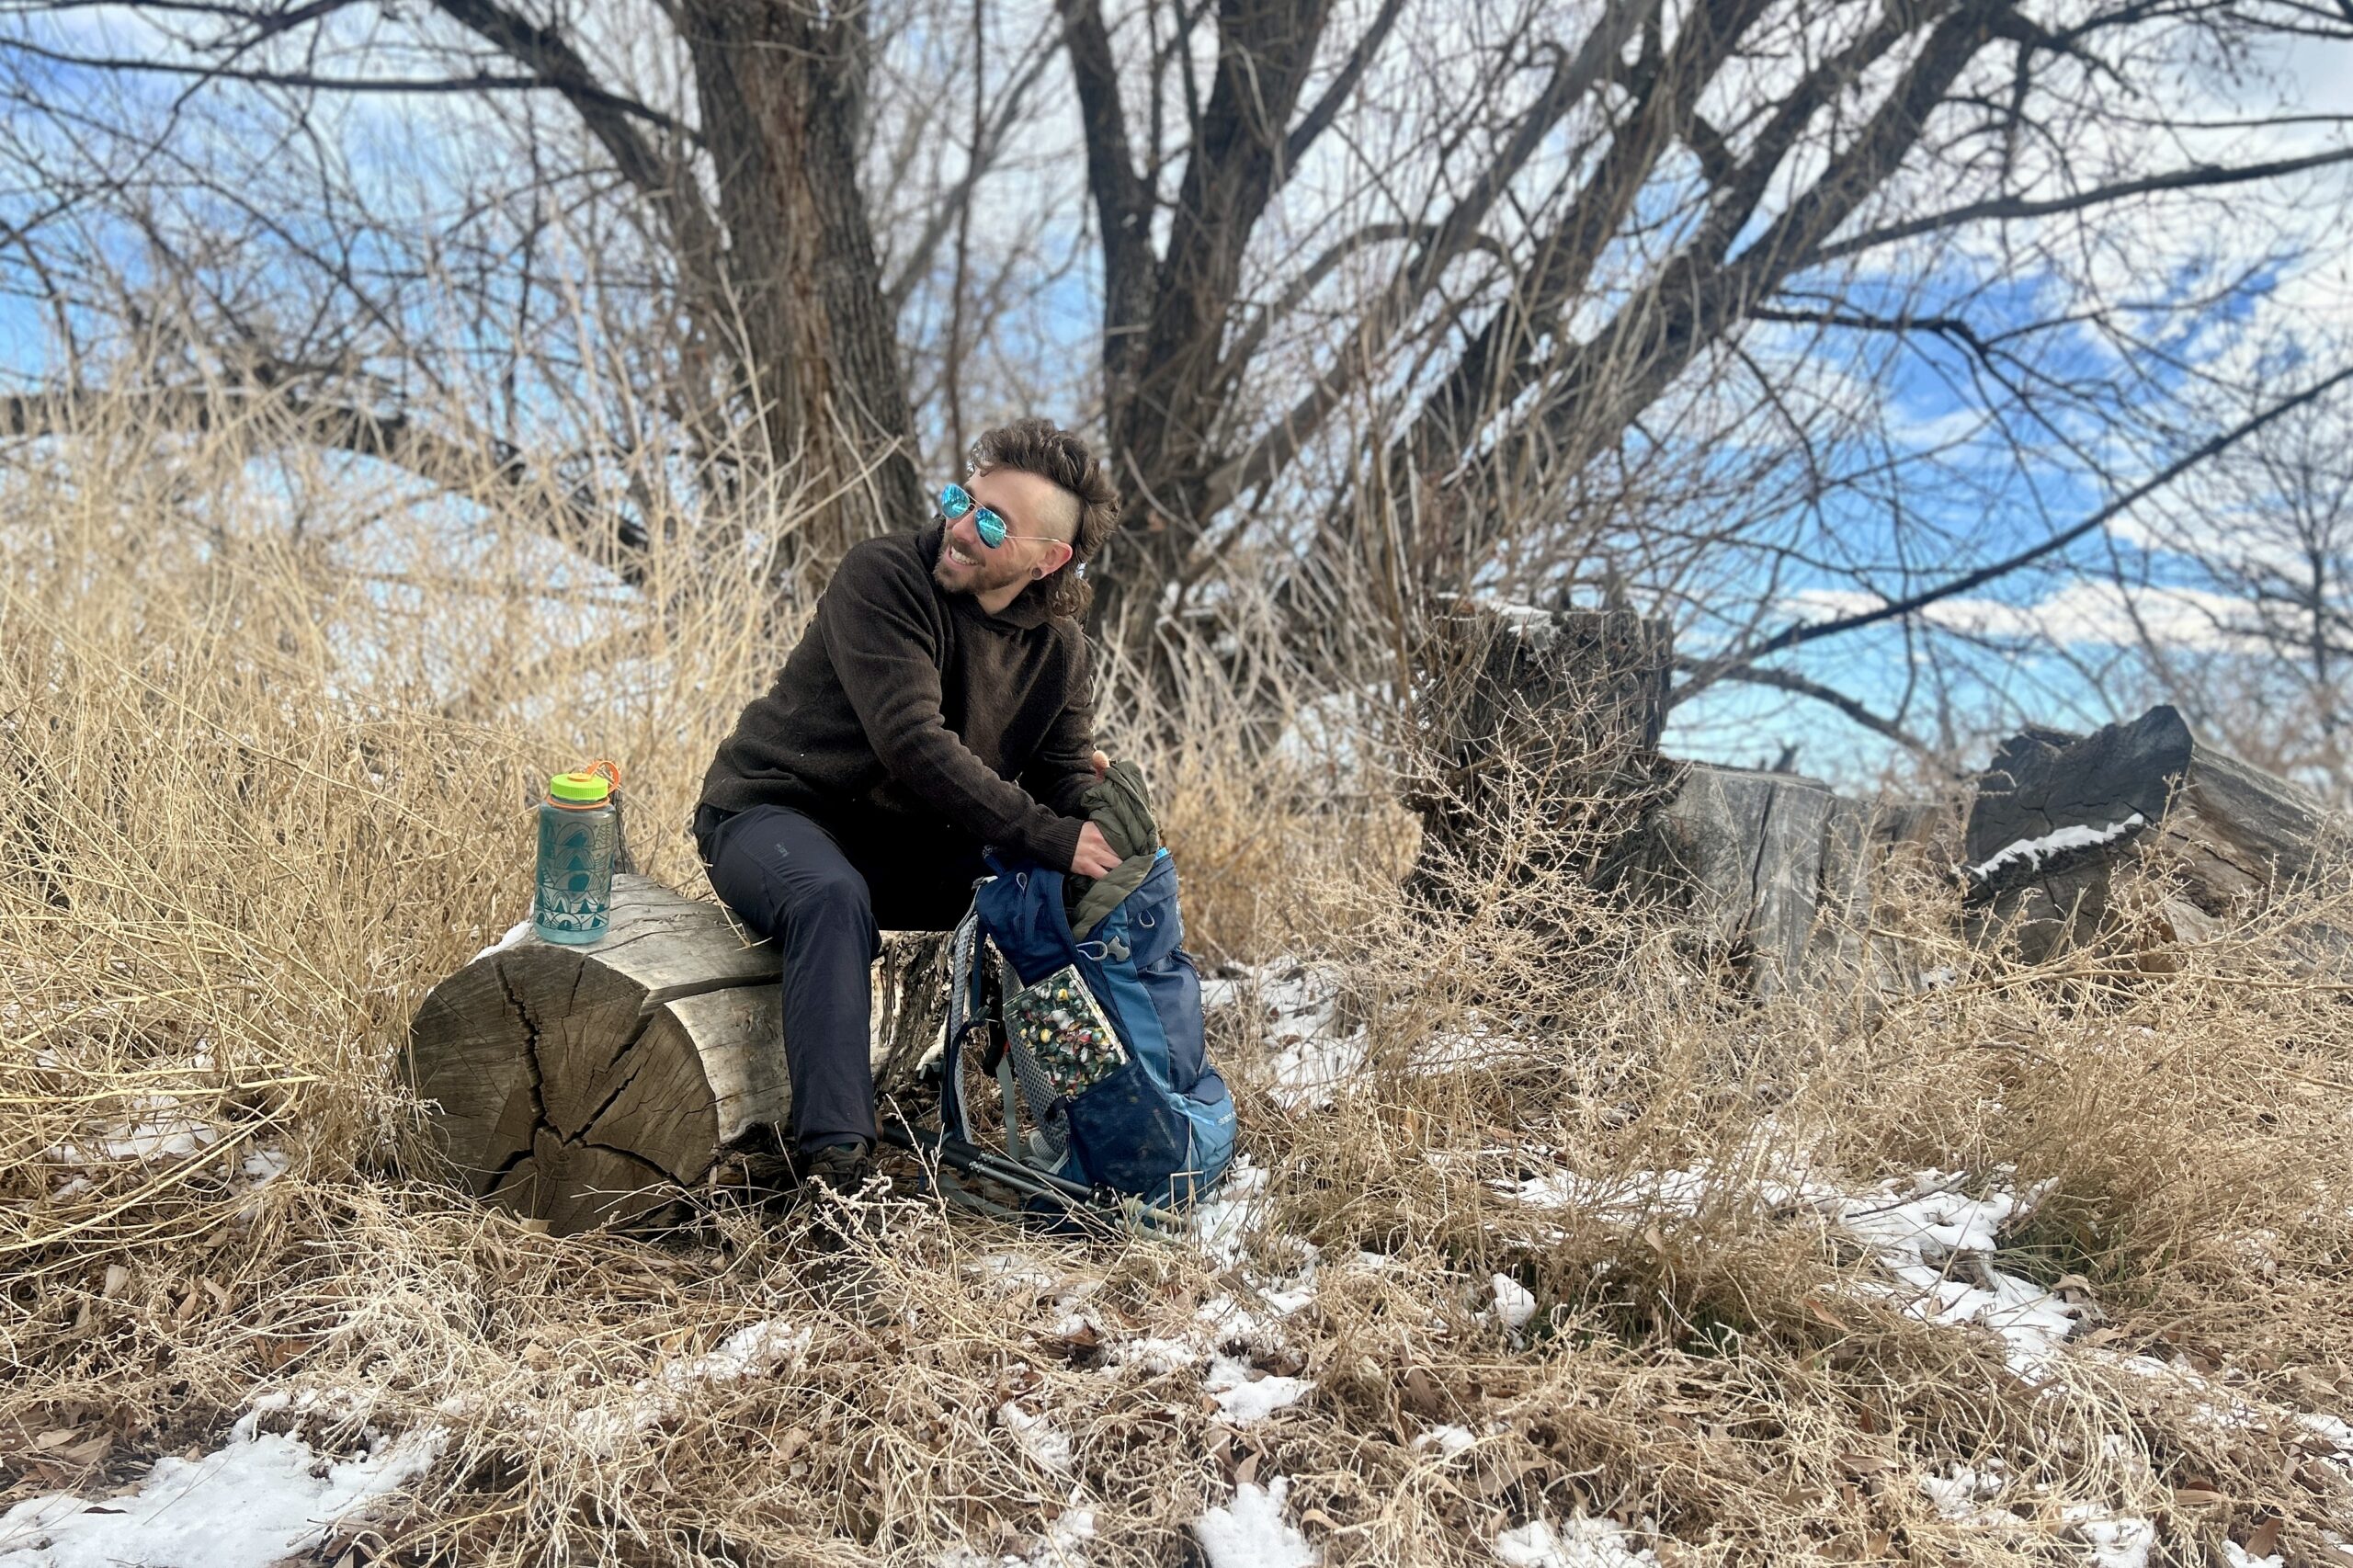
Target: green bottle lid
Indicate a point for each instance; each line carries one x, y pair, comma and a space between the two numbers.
579, 788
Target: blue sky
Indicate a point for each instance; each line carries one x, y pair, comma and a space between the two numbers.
1978, 499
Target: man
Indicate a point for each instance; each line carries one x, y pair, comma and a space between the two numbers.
938, 703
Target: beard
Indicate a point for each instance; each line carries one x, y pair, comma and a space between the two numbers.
972, 575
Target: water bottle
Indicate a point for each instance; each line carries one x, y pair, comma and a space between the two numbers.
579, 833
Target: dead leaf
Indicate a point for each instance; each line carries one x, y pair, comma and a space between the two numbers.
792, 1443
2197, 1498
1318, 1517
1422, 1396
50, 1441
2264, 1540
1822, 1315
1506, 1475
1865, 1464
118, 1277
532, 1227
1247, 1470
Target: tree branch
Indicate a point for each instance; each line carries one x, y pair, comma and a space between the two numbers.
479, 82
1706, 672
1573, 77
2197, 177
1799, 685
551, 57
943, 214
1319, 119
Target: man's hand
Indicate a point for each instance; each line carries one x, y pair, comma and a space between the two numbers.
1094, 857
1101, 763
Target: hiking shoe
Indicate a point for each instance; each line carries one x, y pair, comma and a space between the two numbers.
841, 1169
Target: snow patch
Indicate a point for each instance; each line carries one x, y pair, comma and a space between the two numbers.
1514, 1305
514, 939
1223, 1224
1937, 1242
159, 1127
263, 1497
1251, 1532
1580, 1543
2117, 1541
1310, 1061
749, 1352
1047, 1445
1962, 1495
1245, 1396
2035, 851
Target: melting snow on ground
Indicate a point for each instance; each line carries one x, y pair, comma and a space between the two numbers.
1934, 1241
263, 1497
1046, 1445
1063, 1546
1245, 1394
749, 1352
1251, 1532
1939, 1242
1580, 1543
1309, 1059
2115, 1542
1514, 1305
159, 1127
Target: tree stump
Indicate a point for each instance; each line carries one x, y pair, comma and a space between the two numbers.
1533, 720
2060, 820
584, 1085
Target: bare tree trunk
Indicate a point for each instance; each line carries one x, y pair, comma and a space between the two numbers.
780, 88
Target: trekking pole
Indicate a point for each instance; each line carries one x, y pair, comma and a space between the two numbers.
970, 1160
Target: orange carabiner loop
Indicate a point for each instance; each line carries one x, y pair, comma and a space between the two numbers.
611, 770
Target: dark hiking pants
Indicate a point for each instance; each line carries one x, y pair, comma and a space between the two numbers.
823, 896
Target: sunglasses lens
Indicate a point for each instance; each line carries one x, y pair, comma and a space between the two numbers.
954, 501
990, 527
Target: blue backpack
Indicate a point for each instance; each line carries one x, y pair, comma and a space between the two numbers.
1100, 1041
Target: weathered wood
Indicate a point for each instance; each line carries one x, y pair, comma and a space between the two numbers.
2058, 818
1736, 854
1861, 840
578, 1084
1532, 720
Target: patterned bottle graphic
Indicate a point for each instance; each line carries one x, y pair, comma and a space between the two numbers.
579, 832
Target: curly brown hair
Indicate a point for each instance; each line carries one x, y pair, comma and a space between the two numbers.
1058, 456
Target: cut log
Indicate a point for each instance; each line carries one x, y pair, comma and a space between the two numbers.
1735, 853
1862, 842
1772, 877
1535, 718
584, 1085
2058, 818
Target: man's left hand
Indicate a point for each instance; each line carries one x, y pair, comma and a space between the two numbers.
1101, 763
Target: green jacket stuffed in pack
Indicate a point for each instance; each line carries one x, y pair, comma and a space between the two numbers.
1119, 806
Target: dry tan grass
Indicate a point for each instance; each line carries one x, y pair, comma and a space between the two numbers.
261, 793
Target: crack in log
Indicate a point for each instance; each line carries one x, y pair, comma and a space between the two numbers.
588, 1122
530, 1041
507, 1169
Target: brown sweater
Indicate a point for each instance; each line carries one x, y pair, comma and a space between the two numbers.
910, 710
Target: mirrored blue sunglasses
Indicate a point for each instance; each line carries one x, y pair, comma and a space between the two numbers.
955, 501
